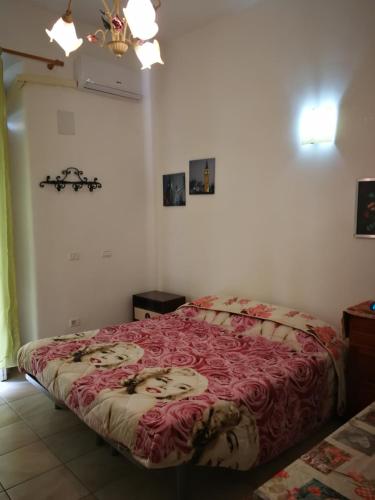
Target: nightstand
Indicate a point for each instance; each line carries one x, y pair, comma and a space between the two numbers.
359, 327
151, 304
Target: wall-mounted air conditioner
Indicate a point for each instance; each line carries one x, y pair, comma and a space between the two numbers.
111, 79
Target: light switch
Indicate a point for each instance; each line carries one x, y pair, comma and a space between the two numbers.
106, 254
74, 256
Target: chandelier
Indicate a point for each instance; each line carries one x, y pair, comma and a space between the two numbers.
133, 26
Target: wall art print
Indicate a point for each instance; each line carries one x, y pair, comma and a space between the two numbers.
202, 176
365, 219
174, 192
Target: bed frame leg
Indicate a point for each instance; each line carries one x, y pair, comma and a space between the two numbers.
182, 478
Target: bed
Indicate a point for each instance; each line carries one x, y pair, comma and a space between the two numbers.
340, 467
221, 382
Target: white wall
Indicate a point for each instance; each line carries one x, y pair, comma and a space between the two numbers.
109, 143
280, 226
95, 289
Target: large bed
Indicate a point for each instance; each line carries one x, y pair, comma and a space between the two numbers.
226, 382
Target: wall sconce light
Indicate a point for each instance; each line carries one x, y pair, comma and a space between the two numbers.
318, 125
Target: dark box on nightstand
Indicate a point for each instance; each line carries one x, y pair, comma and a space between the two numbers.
154, 303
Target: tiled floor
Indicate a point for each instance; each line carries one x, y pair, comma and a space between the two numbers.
47, 454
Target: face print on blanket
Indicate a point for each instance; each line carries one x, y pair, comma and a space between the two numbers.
167, 383
165, 424
70, 362
108, 355
217, 437
72, 336
226, 436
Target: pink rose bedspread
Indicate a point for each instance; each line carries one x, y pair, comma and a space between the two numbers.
208, 384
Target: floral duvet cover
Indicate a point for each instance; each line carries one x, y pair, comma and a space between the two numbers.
220, 382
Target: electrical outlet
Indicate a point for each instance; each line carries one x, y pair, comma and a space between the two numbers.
106, 254
74, 256
73, 323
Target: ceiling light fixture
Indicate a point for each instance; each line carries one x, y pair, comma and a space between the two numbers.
318, 125
133, 26
64, 32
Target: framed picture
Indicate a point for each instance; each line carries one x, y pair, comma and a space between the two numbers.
202, 176
174, 193
365, 219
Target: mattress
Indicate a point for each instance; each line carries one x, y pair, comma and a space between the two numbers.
223, 382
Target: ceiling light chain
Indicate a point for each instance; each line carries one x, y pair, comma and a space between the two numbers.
136, 27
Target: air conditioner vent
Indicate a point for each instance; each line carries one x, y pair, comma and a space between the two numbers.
106, 89
115, 79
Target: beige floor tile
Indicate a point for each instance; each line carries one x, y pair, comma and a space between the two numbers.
4, 496
26, 463
140, 484
51, 421
7, 416
71, 443
30, 405
98, 468
115, 489
15, 436
13, 389
57, 484
219, 484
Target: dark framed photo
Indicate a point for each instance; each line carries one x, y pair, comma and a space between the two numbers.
202, 176
174, 192
365, 218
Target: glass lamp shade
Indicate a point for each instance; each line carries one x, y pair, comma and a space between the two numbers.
65, 35
149, 53
141, 15
318, 125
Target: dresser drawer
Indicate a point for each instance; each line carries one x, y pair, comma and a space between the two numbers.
362, 338
359, 327
361, 364
140, 314
362, 324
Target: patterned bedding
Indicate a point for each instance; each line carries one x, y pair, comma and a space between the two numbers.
220, 382
341, 467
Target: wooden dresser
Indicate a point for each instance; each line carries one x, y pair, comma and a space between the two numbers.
359, 327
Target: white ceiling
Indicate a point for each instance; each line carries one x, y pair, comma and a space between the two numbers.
175, 17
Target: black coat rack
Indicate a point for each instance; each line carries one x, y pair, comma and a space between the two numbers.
61, 182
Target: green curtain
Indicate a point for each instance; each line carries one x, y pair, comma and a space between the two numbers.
9, 329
